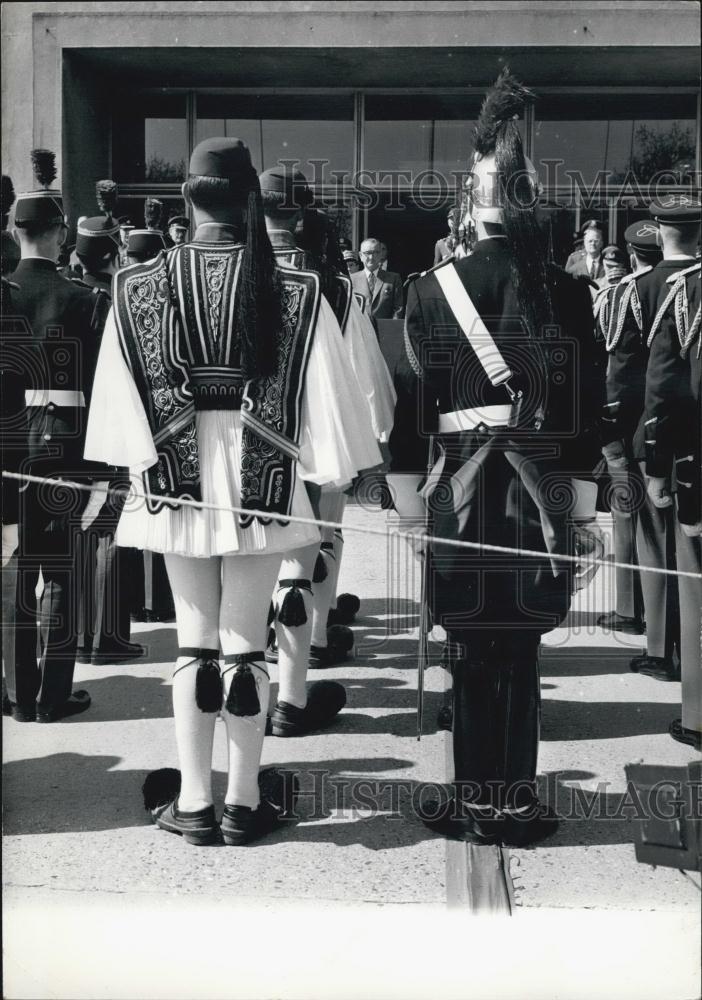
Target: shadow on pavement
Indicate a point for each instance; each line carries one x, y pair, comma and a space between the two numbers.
123, 697
603, 720
585, 661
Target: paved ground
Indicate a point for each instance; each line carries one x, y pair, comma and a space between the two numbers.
78, 845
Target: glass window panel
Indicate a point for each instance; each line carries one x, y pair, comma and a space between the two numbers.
150, 140
645, 133
303, 127
419, 132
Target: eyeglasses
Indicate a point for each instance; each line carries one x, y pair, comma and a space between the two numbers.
370, 253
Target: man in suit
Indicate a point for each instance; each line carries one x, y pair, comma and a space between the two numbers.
445, 247
381, 289
588, 262
64, 320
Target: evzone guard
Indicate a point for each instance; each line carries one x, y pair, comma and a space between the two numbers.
214, 384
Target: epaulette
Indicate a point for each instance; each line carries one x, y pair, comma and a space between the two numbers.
11, 284
677, 296
79, 281
635, 275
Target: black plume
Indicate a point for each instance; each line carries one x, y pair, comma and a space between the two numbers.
106, 194
7, 197
501, 104
44, 166
152, 212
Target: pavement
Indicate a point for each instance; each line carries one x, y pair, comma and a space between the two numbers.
80, 855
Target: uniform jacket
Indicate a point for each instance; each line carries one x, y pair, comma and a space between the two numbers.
64, 320
387, 300
673, 413
498, 486
633, 311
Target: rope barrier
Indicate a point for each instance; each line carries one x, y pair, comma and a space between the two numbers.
363, 530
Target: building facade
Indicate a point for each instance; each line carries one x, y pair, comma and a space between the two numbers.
374, 100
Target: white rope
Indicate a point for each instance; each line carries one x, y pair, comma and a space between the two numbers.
363, 530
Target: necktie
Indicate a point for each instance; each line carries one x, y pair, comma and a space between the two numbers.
593, 269
371, 282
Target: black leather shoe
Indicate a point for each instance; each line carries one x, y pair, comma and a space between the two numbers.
688, 736
199, 828
83, 654
325, 699
149, 616
20, 714
125, 651
459, 821
655, 666
77, 703
521, 828
614, 622
6, 705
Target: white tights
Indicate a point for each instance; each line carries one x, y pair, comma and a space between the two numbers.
221, 603
294, 641
331, 508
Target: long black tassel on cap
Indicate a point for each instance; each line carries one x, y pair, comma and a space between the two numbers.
242, 698
208, 680
292, 611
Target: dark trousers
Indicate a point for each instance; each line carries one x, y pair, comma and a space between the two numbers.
48, 544
655, 543
496, 717
104, 623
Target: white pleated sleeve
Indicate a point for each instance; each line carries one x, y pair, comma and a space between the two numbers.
118, 432
337, 440
371, 370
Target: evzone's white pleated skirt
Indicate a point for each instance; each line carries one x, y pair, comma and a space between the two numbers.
203, 533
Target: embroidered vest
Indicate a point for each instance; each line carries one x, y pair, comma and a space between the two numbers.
176, 322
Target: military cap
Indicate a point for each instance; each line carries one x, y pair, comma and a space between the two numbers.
351, 255
292, 183
179, 221
676, 208
642, 236
225, 158
98, 235
613, 255
145, 243
125, 222
44, 205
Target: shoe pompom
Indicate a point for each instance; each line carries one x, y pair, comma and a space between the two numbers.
160, 787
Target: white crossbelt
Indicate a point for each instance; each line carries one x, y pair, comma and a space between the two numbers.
467, 420
57, 397
470, 321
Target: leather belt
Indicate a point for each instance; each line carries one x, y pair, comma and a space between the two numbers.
57, 397
497, 415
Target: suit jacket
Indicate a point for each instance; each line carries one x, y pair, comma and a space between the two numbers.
387, 301
577, 265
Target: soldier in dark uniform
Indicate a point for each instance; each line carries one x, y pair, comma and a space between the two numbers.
484, 337
673, 422
65, 320
627, 615
104, 627
178, 228
633, 313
